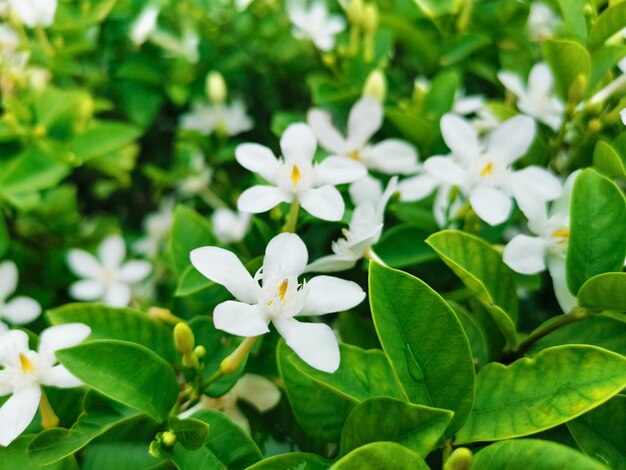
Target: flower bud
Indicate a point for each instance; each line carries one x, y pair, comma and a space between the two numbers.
376, 85
216, 88
577, 89
460, 459
354, 10
370, 17
183, 338
200, 351
169, 438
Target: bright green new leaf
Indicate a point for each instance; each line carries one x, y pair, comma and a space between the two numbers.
125, 372
575, 24
436, 8
607, 160
295, 460
600, 432
602, 62
533, 394
568, 60
381, 455
103, 137
321, 402
189, 231
15, 457
597, 242
610, 22
424, 341
604, 292
482, 270
386, 419
532, 454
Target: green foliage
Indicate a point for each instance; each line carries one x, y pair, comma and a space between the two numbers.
381, 455
604, 292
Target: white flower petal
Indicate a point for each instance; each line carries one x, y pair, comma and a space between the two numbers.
21, 310
17, 412
366, 117
391, 156
331, 264
11, 343
556, 267
513, 83
224, 268
446, 170
8, 279
491, 205
525, 254
286, 255
324, 203
112, 251
260, 198
257, 159
338, 170
314, 343
328, 294
90, 289
329, 138
83, 264
238, 318
418, 187
367, 190
60, 337
59, 376
540, 79
532, 187
460, 137
258, 391
117, 294
134, 271
298, 143
511, 139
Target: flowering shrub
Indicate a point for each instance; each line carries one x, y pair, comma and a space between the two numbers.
312, 234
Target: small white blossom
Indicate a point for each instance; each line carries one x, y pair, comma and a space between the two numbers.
391, 156
35, 13
157, 226
106, 278
145, 24
23, 372
295, 176
198, 179
537, 99
280, 298
366, 226
542, 22
230, 226
615, 86
229, 119
547, 247
18, 310
314, 23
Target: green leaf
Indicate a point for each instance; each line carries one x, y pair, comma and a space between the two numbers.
436, 8
532, 454
604, 292
602, 62
191, 433
424, 341
533, 394
119, 455
607, 160
476, 334
126, 324
481, 269
568, 60
293, 460
574, 18
416, 427
610, 22
403, 245
103, 137
597, 242
99, 416
379, 455
190, 230
125, 372
600, 432
321, 402
15, 457
5, 241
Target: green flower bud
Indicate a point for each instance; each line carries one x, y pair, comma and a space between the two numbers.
216, 88
370, 17
460, 459
169, 438
376, 85
183, 338
200, 351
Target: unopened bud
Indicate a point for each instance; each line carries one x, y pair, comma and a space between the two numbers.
370, 17
183, 338
577, 89
355, 10
460, 459
169, 438
200, 351
216, 88
376, 85
595, 126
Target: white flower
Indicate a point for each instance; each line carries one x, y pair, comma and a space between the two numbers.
230, 226
206, 119
254, 389
145, 24
279, 298
157, 226
616, 85
547, 248
35, 13
314, 23
622, 113
295, 176
366, 226
106, 278
9, 40
484, 120
542, 21
199, 178
483, 172
24, 372
19, 310
391, 156
537, 99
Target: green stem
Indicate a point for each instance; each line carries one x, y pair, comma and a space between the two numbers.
211, 199
292, 218
371, 255
577, 313
45, 43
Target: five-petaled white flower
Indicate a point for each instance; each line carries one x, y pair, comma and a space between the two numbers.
19, 310
391, 156
157, 226
230, 226
280, 298
254, 389
35, 13
295, 176
542, 21
314, 23
483, 173
106, 278
24, 371
198, 179
145, 24
537, 99
366, 226
229, 119
528, 254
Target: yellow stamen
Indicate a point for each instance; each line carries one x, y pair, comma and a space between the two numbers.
295, 175
282, 289
354, 155
25, 363
487, 170
561, 233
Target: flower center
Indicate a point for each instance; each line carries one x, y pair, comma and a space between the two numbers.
282, 289
488, 169
354, 155
295, 175
25, 363
561, 233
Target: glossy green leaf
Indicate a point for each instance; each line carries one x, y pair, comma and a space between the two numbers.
482, 270
126, 324
607, 160
604, 292
125, 372
321, 402
568, 60
476, 334
403, 245
532, 454
120, 455
33, 170
533, 394
379, 455
597, 242
424, 341
436, 8
100, 415
293, 460
15, 457
603, 60
600, 432
103, 137
416, 427
190, 433
610, 22
575, 24
189, 231
4, 237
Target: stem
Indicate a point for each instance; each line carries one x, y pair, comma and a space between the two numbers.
292, 218
211, 199
48, 418
45, 43
577, 313
232, 362
371, 255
